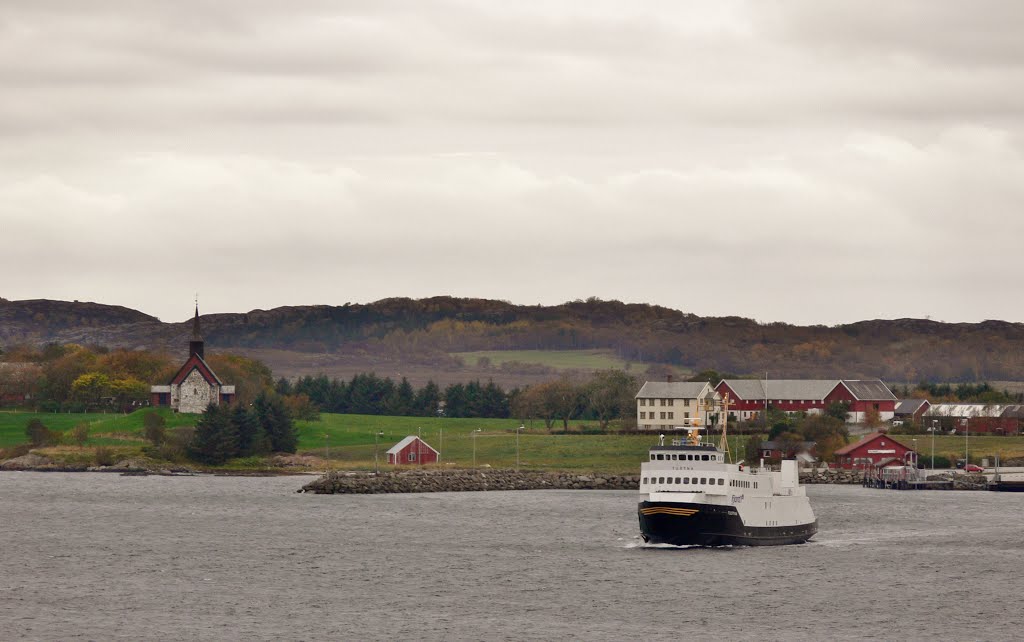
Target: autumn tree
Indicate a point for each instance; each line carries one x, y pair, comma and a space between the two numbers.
610, 394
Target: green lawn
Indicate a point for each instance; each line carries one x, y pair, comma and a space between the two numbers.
348, 441
558, 359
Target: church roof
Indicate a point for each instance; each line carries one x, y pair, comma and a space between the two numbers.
196, 362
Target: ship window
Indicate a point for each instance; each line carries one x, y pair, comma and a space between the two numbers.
652, 456
704, 457
721, 482
689, 457
660, 456
673, 457
661, 480
686, 480
645, 480
703, 480
678, 481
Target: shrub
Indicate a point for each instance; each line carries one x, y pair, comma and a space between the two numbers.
154, 428
39, 435
104, 456
80, 434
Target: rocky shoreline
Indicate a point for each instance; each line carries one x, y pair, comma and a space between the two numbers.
433, 481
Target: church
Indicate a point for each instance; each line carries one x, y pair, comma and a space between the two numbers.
196, 385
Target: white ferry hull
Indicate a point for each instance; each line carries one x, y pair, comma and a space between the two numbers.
689, 524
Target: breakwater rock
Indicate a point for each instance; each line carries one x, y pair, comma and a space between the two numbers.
434, 481
830, 476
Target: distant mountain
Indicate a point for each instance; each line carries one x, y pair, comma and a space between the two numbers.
425, 331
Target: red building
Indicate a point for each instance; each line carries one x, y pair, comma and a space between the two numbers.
748, 397
412, 450
876, 449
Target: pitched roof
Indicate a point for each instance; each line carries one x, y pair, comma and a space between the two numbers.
910, 406
397, 448
869, 389
673, 389
753, 389
197, 362
966, 410
867, 438
1015, 411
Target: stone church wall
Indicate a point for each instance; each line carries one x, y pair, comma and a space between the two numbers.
195, 394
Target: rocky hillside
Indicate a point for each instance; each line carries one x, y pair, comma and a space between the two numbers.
423, 333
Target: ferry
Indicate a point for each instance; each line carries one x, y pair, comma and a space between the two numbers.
692, 496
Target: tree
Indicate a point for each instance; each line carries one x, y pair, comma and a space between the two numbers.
273, 417
216, 438
610, 394
560, 400
90, 388
838, 409
252, 439
154, 428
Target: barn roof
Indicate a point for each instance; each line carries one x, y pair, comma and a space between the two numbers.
910, 406
869, 390
753, 389
674, 389
397, 448
966, 410
845, 450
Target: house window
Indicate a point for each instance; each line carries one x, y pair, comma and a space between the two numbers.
412, 456
686, 415
643, 415
663, 416
643, 402
670, 415
671, 400
662, 402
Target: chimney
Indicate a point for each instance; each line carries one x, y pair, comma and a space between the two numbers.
669, 378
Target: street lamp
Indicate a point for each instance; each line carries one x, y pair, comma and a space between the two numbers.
934, 422
474, 446
967, 442
376, 436
517, 446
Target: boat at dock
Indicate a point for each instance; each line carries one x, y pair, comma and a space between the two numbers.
692, 496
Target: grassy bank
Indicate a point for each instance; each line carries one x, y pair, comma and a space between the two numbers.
350, 441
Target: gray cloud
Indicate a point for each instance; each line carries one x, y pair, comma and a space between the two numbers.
812, 158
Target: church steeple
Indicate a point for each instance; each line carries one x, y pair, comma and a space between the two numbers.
195, 343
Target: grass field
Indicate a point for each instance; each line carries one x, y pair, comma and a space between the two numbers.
558, 359
349, 441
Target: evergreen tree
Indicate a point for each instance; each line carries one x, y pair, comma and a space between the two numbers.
273, 417
251, 438
216, 438
427, 399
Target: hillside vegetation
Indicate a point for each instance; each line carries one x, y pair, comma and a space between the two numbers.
393, 334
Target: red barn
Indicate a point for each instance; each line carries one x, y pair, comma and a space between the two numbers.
412, 450
747, 396
876, 449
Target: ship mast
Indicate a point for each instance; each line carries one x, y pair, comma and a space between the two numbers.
723, 443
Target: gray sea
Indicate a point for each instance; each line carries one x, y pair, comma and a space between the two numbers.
106, 557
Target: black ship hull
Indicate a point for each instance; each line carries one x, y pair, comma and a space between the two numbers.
1007, 486
688, 524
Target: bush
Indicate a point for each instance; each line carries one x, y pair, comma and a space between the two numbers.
174, 445
80, 434
941, 461
104, 456
39, 435
154, 428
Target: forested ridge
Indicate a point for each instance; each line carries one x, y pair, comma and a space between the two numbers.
428, 330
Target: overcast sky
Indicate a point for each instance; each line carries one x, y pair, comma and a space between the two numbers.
806, 161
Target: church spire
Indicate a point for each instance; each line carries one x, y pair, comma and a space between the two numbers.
195, 344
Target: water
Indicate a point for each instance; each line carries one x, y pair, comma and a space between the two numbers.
100, 557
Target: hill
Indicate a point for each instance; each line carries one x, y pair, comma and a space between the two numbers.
422, 338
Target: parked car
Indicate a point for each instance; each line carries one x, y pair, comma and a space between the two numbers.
973, 468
